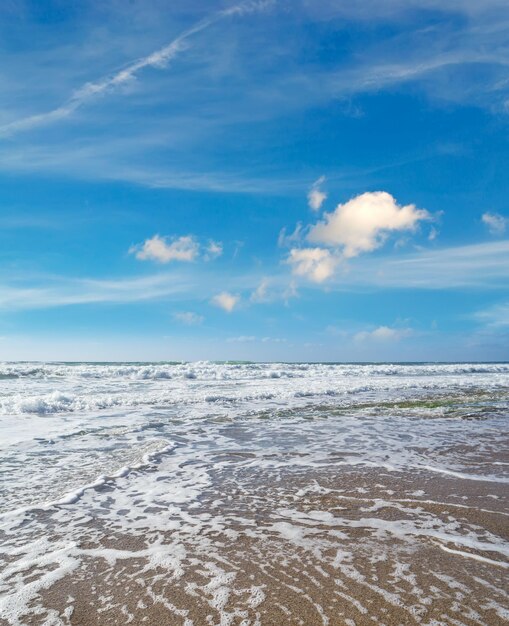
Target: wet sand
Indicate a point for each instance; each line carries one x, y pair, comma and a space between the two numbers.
341, 547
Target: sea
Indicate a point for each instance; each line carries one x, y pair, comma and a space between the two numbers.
254, 493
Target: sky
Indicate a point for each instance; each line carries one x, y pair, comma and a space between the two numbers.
305, 180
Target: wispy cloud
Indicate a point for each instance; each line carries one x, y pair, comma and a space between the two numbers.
184, 109
383, 333
117, 160
271, 290
495, 223
241, 339
190, 318
158, 59
479, 266
253, 339
494, 316
213, 250
286, 240
316, 196
261, 293
57, 292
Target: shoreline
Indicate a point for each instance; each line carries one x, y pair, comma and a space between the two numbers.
255, 496
349, 545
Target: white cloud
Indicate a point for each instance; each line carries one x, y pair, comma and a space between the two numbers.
226, 301
156, 60
284, 240
165, 249
316, 197
252, 339
162, 250
54, 291
290, 292
241, 339
484, 266
383, 333
433, 234
238, 247
495, 222
189, 318
363, 223
260, 294
213, 250
271, 290
481, 266
316, 264
497, 315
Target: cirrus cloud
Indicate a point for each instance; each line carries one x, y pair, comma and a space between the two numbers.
189, 318
495, 222
260, 294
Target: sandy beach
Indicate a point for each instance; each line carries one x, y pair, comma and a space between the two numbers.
353, 547
335, 512
254, 313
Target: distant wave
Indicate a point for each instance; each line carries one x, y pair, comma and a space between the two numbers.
207, 370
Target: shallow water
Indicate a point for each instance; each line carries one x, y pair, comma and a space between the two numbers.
210, 482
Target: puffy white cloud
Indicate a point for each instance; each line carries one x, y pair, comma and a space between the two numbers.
363, 223
360, 225
189, 318
164, 250
383, 333
316, 197
495, 222
213, 250
316, 264
226, 301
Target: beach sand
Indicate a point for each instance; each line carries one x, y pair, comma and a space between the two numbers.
355, 546
256, 495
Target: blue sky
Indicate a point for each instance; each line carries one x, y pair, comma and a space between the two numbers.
306, 180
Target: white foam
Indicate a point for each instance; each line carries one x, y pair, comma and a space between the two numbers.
476, 557
134, 449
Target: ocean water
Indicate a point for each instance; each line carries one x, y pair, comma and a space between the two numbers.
197, 463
